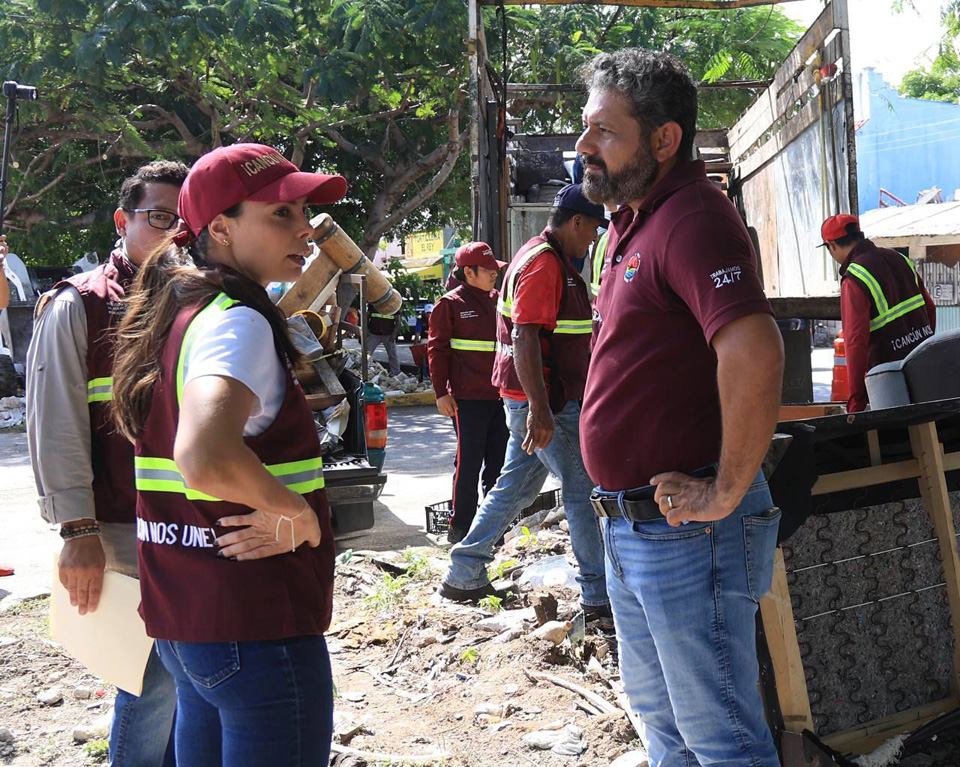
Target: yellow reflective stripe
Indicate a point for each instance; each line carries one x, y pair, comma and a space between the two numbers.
99, 390
872, 285
221, 303
505, 303
472, 345
294, 467
598, 257
383, 316
574, 326
904, 307
162, 475
913, 266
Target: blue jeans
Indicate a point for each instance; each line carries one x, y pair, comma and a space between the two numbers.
684, 603
517, 487
252, 704
141, 734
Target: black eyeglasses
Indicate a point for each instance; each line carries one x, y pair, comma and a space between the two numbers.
158, 219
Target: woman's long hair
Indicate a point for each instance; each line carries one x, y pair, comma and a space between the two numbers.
165, 284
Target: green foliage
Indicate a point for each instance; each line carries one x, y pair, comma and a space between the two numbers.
492, 604
526, 539
369, 88
941, 80
497, 571
373, 89
550, 43
97, 749
388, 593
470, 656
419, 566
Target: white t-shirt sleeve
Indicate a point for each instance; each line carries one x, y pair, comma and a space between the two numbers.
238, 344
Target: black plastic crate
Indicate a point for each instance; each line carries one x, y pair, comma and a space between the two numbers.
438, 514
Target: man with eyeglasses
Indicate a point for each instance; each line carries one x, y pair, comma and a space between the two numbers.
83, 467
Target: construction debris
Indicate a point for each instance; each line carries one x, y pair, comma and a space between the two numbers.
391, 385
13, 411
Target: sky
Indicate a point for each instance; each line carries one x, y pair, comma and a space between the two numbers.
893, 43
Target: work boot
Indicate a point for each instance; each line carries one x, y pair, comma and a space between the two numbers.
601, 614
474, 595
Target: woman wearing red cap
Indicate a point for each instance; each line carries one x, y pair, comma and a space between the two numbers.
228, 470
460, 349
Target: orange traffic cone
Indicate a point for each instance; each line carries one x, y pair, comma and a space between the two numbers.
840, 391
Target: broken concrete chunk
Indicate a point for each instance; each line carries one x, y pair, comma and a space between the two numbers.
99, 729
631, 759
568, 742
554, 631
50, 697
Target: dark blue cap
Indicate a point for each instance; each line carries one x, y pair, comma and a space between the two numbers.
571, 197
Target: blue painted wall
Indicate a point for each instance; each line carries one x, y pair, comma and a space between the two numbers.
904, 145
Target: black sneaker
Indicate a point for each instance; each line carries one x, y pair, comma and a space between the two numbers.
474, 595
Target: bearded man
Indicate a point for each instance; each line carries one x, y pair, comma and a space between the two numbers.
681, 401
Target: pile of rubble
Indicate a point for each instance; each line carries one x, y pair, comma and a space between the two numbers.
13, 411
523, 680
391, 385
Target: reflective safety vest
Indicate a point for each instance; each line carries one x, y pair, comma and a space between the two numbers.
470, 345
188, 592
599, 259
466, 319
898, 314
382, 324
102, 292
565, 349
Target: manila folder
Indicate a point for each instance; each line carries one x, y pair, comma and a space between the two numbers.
112, 641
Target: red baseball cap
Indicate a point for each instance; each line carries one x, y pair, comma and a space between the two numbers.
478, 254
835, 227
231, 174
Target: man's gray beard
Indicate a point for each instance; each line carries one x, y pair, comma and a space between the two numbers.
634, 182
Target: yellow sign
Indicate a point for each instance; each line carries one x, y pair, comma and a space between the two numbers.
423, 244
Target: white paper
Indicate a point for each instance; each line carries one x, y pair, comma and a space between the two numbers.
112, 641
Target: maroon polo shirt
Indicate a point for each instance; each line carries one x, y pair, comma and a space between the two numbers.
678, 272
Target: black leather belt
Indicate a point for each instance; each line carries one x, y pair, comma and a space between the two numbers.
618, 506
636, 504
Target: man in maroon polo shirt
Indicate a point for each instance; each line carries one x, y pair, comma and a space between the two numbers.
681, 401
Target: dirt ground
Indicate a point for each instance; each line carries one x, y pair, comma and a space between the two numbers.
419, 680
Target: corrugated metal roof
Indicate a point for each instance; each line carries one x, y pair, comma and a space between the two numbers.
935, 220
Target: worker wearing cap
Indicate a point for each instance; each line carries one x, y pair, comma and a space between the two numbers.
82, 466
460, 349
382, 329
540, 367
885, 308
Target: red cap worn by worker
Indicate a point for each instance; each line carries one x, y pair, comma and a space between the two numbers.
838, 226
478, 254
231, 174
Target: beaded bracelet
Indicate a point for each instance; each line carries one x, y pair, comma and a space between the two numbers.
68, 534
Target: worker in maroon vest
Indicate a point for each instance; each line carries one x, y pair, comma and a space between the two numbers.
885, 308
382, 329
540, 366
460, 348
83, 468
228, 471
